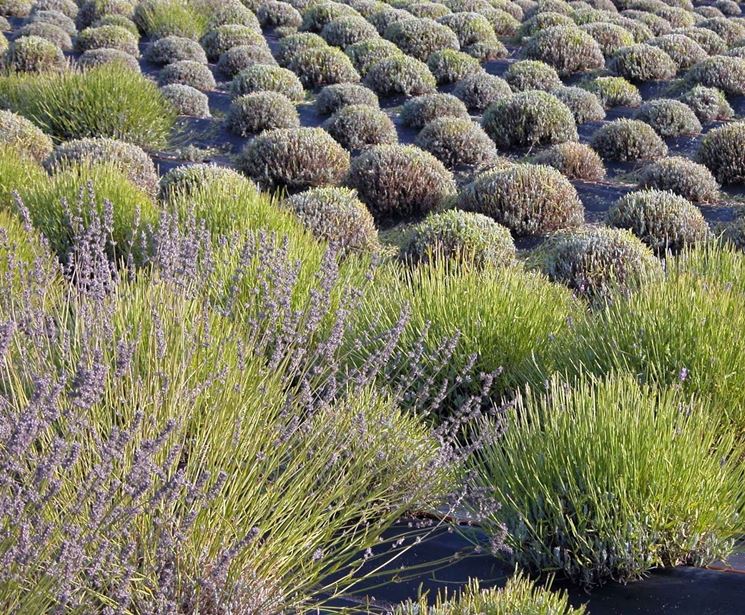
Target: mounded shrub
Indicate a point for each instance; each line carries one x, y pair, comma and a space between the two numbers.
614, 92
487, 51
609, 37
528, 119
729, 8
235, 59
336, 215
333, 97
323, 66
400, 74
232, 12
93, 10
273, 14
501, 22
218, 41
188, 72
723, 72
174, 49
643, 62
640, 31
662, 220
56, 18
420, 111
360, 126
428, 10
709, 104
470, 28
383, 18
669, 118
54, 34
528, 199
117, 20
15, 8
684, 51
462, 236
187, 100
573, 160
479, 90
628, 140
682, 176
24, 136
400, 180
348, 30
317, 15
260, 111
449, 65
584, 105
295, 158
189, 179
289, 46
33, 54
707, 12
456, 142
420, 38
108, 37
17, 172
567, 48
708, 40
66, 7
532, 75
658, 25
266, 78
96, 57
730, 30
542, 21
721, 150
367, 53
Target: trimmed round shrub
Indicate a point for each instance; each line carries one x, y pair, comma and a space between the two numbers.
487, 51
367, 53
55, 18
336, 215
360, 126
400, 180
528, 199
15, 8
289, 46
532, 75
573, 160
658, 25
682, 176
709, 104
542, 21
400, 75
449, 65
95, 57
66, 7
189, 179
54, 34
333, 97
218, 41
295, 158
93, 10
131, 160
640, 31
428, 10
662, 220
421, 37
323, 66
316, 16
708, 40
266, 78
108, 37
614, 92
384, 17
24, 136
729, 30
684, 51
723, 72
721, 150
117, 20
4, 27
501, 22
470, 28
260, 111
528, 119
597, 262
364, 7
567, 48
419, 111
609, 37
187, 100
462, 236
456, 142
187, 72
272, 14
628, 140
175, 49
643, 62
729, 8
480, 90
33, 54
669, 118
235, 59
707, 12
348, 30
584, 105
232, 13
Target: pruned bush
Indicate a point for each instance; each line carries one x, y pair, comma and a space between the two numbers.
54, 34
420, 111
21, 134
186, 180
336, 215
480, 90
682, 176
449, 65
470, 28
66, 7
657, 25
117, 20
597, 263
323, 66
235, 59
643, 62
187, 100
218, 41
400, 180
33, 54
289, 46
730, 30
566, 48
384, 17
729, 8
663, 220
669, 118
528, 119
462, 236
532, 75
273, 14
130, 160
573, 160
348, 30
614, 92
428, 10
456, 142
576, 447
542, 21
93, 10
609, 37
108, 37
232, 12
295, 158
528, 199
188, 72
333, 97
723, 72
487, 51
260, 111
400, 74
708, 40
709, 104
628, 140
584, 105
360, 126
174, 49
97, 57
56, 18
266, 78
160, 18
684, 51
501, 21
421, 37
316, 16
707, 12
15, 8
367, 53
721, 150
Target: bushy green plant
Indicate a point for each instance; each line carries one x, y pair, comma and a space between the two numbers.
723, 72
17, 173
575, 497
188, 180
628, 140
568, 49
360, 126
456, 142
470, 28
721, 151
449, 66
643, 62
481, 89
161, 18
15, 8
709, 104
260, 111
400, 74
729, 8
400, 180
117, 20
669, 118
188, 72
462, 236
333, 97
294, 158
108, 37
96, 57
709, 40
573, 160
266, 78
487, 51
367, 53
541, 21
33, 54
273, 14
321, 66
663, 220
174, 49
584, 105
420, 38
609, 37
684, 51
347, 30
235, 59
218, 41
291, 45
682, 176
187, 100
230, 12
66, 7
614, 91
93, 10
18, 132
419, 111
501, 21
56, 18
529, 118
54, 34
532, 75
319, 14
428, 10
729, 30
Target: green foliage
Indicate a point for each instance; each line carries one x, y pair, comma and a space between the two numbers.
316, 16
188, 72
187, 100
260, 111
291, 45
420, 38
457, 141
20, 133
584, 105
709, 104
684, 51
273, 14
609, 37
162, 18
449, 65
470, 28
173, 49
614, 91
367, 53
419, 111
338, 95
235, 59
721, 150
95, 57
321, 66
669, 118
33, 54
109, 37
218, 41
480, 90
52, 33
723, 72
573, 160
17, 173
643, 62
347, 30
567, 48
682, 176
626, 140
360, 126
400, 74
532, 75
541, 21
266, 78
